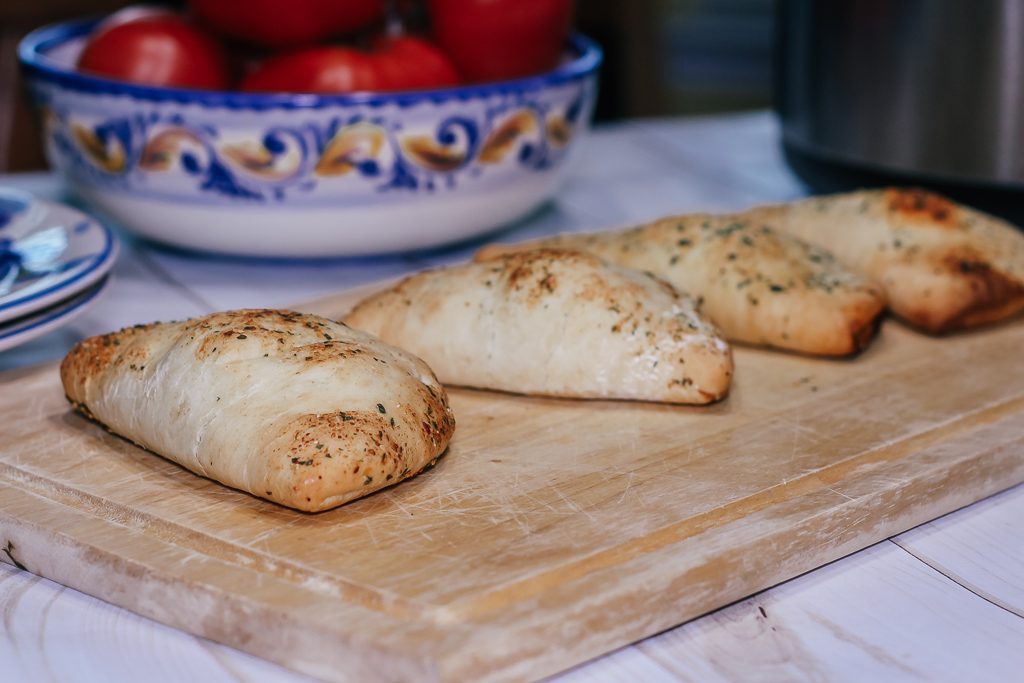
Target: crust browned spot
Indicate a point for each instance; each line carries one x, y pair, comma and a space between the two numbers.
923, 207
492, 251
994, 294
534, 270
710, 397
551, 246
91, 356
863, 330
521, 270
375, 450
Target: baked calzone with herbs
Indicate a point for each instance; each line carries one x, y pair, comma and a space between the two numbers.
943, 266
554, 323
758, 285
293, 408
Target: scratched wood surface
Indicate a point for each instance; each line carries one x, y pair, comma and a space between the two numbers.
552, 532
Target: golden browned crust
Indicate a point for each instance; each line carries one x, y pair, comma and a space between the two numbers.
863, 328
981, 293
373, 452
311, 460
554, 322
944, 266
758, 285
921, 206
986, 295
93, 355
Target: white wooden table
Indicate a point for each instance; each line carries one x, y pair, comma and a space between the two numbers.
943, 602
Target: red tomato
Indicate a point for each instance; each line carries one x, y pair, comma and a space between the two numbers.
403, 63
157, 50
490, 40
411, 63
282, 23
315, 69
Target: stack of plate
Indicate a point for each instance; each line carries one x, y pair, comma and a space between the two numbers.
54, 263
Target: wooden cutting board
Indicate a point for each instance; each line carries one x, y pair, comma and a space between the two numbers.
553, 531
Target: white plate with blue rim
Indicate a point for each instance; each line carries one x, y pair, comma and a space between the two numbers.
48, 252
28, 327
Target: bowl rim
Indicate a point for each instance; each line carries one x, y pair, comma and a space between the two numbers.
34, 48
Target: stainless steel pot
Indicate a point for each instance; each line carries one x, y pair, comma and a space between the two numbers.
928, 91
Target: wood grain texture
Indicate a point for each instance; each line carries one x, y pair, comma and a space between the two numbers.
888, 618
980, 552
874, 615
50, 633
553, 531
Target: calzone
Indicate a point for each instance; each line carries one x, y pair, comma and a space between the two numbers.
758, 285
943, 266
555, 323
293, 408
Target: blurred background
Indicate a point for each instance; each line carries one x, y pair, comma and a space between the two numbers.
662, 57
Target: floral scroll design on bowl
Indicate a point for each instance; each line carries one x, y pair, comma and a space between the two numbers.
285, 160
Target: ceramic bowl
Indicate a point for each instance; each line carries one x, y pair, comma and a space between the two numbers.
308, 175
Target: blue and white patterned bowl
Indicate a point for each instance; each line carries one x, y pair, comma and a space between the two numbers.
308, 175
